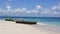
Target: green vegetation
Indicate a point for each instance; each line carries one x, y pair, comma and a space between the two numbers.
25, 22
9, 19
21, 21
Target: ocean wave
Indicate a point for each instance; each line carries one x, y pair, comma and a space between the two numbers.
41, 23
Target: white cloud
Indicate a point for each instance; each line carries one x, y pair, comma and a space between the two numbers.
0, 10
23, 9
55, 12
20, 10
38, 7
8, 8
48, 11
56, 7
29, 11
17, 10
45, 11
32, 11
35, 10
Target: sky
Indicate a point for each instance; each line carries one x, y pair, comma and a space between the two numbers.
30, 8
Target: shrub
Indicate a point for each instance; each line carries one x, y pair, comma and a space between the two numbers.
9, 19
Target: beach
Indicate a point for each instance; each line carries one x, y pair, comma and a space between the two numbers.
9, 27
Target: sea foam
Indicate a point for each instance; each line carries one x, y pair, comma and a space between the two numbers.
41, 23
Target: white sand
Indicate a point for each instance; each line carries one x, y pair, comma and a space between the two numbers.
7, 27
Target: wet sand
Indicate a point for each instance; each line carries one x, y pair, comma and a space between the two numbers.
51, 29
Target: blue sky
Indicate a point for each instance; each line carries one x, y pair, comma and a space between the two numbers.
30, 8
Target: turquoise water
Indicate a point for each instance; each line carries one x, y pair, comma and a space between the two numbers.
42, 20
45, 20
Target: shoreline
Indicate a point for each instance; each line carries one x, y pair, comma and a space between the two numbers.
8, 27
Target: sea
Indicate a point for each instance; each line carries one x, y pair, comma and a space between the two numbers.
40, 20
